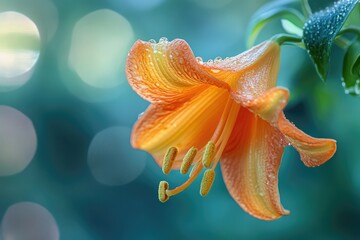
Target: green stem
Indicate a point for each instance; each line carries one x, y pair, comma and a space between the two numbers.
342, 42
352, 29
306, 8
286, 38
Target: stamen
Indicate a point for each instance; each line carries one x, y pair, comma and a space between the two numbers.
196, 166
225, 135
219, 130
207, 182
163, 186
188, 160
195, 172
209, 154
169, 159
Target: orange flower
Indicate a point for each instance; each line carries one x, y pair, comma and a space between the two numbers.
226, 111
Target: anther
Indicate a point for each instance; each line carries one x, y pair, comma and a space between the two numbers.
169, 159
209, 154
163, 186
207, 182
188, 160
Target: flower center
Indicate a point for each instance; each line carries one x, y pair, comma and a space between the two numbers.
209, 157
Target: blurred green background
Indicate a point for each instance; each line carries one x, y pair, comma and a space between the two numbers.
67, 169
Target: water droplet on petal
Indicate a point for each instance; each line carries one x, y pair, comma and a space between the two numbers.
199, 59
218, 59
138, 78
140, 115
163, 40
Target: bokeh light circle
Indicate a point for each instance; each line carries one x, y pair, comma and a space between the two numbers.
18, 141
42, 12
29, 221
99, 46
111, 158
19, 49
138, 5
212, 4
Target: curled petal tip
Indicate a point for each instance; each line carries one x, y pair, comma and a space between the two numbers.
261, 210
318, 154
273, 217
270, 105
313, 151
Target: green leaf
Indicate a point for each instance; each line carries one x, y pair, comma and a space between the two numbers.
291, 28
269, 12
351, 69
354, 17
320, 31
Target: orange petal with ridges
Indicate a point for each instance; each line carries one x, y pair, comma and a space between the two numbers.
182, 125
313, 151
270, 105
166, 71
251, 73
250, 165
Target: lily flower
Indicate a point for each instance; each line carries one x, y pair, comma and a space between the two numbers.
223, 111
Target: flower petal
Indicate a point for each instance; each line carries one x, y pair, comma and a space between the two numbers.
251, 73
250, 165
313, 151
181, 125
270, 105
166, 71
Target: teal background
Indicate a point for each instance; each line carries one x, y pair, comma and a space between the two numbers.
324, 201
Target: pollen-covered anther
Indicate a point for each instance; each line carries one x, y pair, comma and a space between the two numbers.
163, 186
169, 159
207, 182
209, 154
188, 160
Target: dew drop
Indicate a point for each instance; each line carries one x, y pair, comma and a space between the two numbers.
163, 40
215, 70
142, 86
271, 176
199, 59
138, 78
218, 59
357, 87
